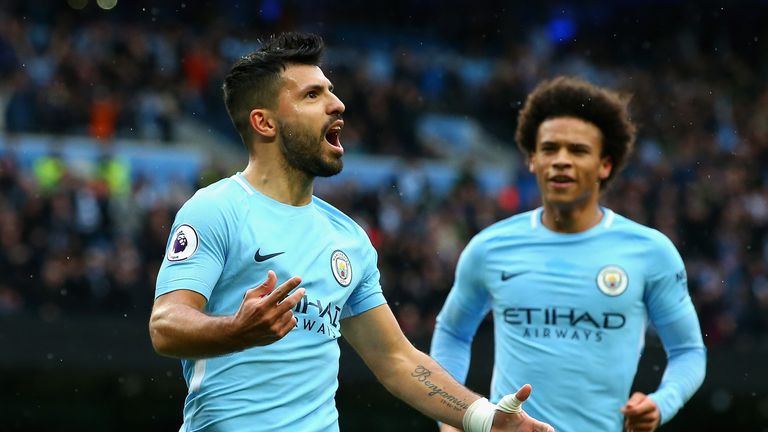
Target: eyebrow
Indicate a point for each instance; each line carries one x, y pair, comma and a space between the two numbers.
581, 146
316, 87
567, 144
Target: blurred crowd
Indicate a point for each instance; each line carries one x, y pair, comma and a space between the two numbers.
71, 244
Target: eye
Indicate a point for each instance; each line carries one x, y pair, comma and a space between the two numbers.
312, 94
547, 148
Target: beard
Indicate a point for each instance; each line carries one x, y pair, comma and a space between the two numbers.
302, 150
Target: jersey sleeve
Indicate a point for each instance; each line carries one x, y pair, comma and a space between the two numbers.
686, 365
367, 294
196, 249
666, 291
671, 311
464, 309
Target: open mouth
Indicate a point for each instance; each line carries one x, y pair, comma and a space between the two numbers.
333, 133
561, 180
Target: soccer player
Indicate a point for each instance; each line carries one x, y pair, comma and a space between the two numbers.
264, 356
572, 284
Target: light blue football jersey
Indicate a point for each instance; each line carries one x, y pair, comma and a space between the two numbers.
223, 242
570, 314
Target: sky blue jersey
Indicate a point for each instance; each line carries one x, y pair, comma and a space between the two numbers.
223, 242
570, 314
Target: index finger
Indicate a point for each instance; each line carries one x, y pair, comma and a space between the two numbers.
289, 302
281, 292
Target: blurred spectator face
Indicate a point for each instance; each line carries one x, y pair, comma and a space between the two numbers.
567, 161
309, 121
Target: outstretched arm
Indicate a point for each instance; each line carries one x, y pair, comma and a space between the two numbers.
179, 327
418, 380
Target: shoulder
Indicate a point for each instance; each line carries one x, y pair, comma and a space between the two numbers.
222, 199
638, 233
629, 227
340, 220
500, 233
518, 224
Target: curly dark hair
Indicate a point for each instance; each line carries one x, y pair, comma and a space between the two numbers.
573, 97
254, 80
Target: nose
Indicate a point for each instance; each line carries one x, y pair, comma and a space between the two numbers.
562, 158
335, 106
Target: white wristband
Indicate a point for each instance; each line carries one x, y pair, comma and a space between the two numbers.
479, 416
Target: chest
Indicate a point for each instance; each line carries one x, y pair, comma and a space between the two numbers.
584, 279
328, 257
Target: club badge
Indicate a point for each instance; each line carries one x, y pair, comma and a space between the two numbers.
183, 244
341, 268
612, 280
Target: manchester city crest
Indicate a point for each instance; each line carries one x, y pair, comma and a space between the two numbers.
612, 280
341, 268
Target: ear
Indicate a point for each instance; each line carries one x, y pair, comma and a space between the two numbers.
606, 166
262, 122
531, 166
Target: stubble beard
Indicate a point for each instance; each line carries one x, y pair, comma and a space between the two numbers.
301, 149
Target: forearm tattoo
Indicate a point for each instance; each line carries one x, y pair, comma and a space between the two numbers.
422, 375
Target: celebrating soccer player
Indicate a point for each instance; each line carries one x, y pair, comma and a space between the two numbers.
263, 356
572, 284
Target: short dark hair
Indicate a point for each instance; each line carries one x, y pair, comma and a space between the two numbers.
254, 80
573, 97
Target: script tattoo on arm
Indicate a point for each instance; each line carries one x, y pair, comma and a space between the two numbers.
422, 375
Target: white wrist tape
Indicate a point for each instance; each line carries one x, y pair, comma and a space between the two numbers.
479, 415
510, 404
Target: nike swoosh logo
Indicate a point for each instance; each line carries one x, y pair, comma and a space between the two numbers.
261, 258
505, 276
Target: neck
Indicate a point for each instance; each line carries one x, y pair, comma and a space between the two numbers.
269, 175
571, 219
